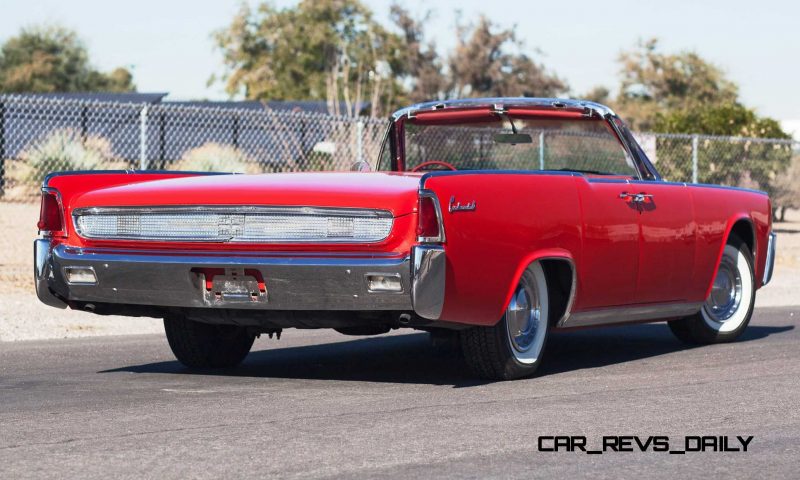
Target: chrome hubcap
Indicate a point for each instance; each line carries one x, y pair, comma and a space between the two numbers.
726, 293
523, 317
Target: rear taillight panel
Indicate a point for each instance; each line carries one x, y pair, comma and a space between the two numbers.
51, 214
429, 219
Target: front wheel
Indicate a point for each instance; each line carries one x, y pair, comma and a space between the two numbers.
203, 345
513, 347
727, 310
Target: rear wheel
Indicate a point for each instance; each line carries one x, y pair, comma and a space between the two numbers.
203, 345
727, 310
513, 347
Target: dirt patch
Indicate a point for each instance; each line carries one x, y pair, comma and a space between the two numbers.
18, 224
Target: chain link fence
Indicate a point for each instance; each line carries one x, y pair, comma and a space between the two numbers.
39, 135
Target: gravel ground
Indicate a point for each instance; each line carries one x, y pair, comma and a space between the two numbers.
22, 317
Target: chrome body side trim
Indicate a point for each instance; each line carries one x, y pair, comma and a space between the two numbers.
428, 281
633, 313
170, 279
769, 266
41, 274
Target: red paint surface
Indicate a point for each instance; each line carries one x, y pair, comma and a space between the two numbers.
665, 250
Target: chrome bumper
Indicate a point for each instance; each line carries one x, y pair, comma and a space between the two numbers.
293, 282
769, 266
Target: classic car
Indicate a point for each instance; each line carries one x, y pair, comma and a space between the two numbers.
496, 220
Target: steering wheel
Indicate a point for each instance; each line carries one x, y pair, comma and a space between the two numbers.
429, 163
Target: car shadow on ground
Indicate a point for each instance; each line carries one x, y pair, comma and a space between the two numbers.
412, 359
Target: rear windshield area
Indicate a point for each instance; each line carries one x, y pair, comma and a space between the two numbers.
583, 145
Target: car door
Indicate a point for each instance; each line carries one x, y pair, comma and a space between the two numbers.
667, 241
608, 269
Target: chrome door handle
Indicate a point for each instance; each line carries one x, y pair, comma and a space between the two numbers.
635, 197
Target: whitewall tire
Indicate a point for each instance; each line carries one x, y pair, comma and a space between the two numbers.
728, 308
512, 348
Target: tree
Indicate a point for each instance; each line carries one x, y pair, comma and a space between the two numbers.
334, 50
787, 190
423, 67
654, 82
599, 94
329, 50
739, 162
684, 93
54, 59
490, 62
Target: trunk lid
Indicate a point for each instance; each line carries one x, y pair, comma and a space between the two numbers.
394, 192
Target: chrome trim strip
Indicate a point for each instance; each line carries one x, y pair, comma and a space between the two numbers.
448, 173
428, 281
627, 147
238, 209
52, 175
438, 209
41, 274
769, 266
60, 201
266, 210
633, 313
505, 102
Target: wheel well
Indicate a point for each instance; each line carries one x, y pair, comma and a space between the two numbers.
744, 230
559, 274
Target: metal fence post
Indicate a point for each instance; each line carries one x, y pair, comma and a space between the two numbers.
143, 138
236, 130
360, 141
2, 149
84, 124
695, 139
162, 141
541, 150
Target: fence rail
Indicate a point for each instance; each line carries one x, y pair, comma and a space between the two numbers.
39, 135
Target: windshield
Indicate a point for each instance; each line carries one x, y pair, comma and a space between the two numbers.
584, 145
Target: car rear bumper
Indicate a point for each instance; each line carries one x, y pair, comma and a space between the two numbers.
290, 281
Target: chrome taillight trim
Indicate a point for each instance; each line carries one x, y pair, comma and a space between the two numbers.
259, 212
425, 193
63, 231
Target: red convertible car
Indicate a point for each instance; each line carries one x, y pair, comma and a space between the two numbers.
497, 220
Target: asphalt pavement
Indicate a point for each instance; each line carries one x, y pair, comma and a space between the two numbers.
320, 404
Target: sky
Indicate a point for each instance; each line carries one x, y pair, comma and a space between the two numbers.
167, 44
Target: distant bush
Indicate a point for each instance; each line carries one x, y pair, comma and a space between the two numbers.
214, 157
64, 150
